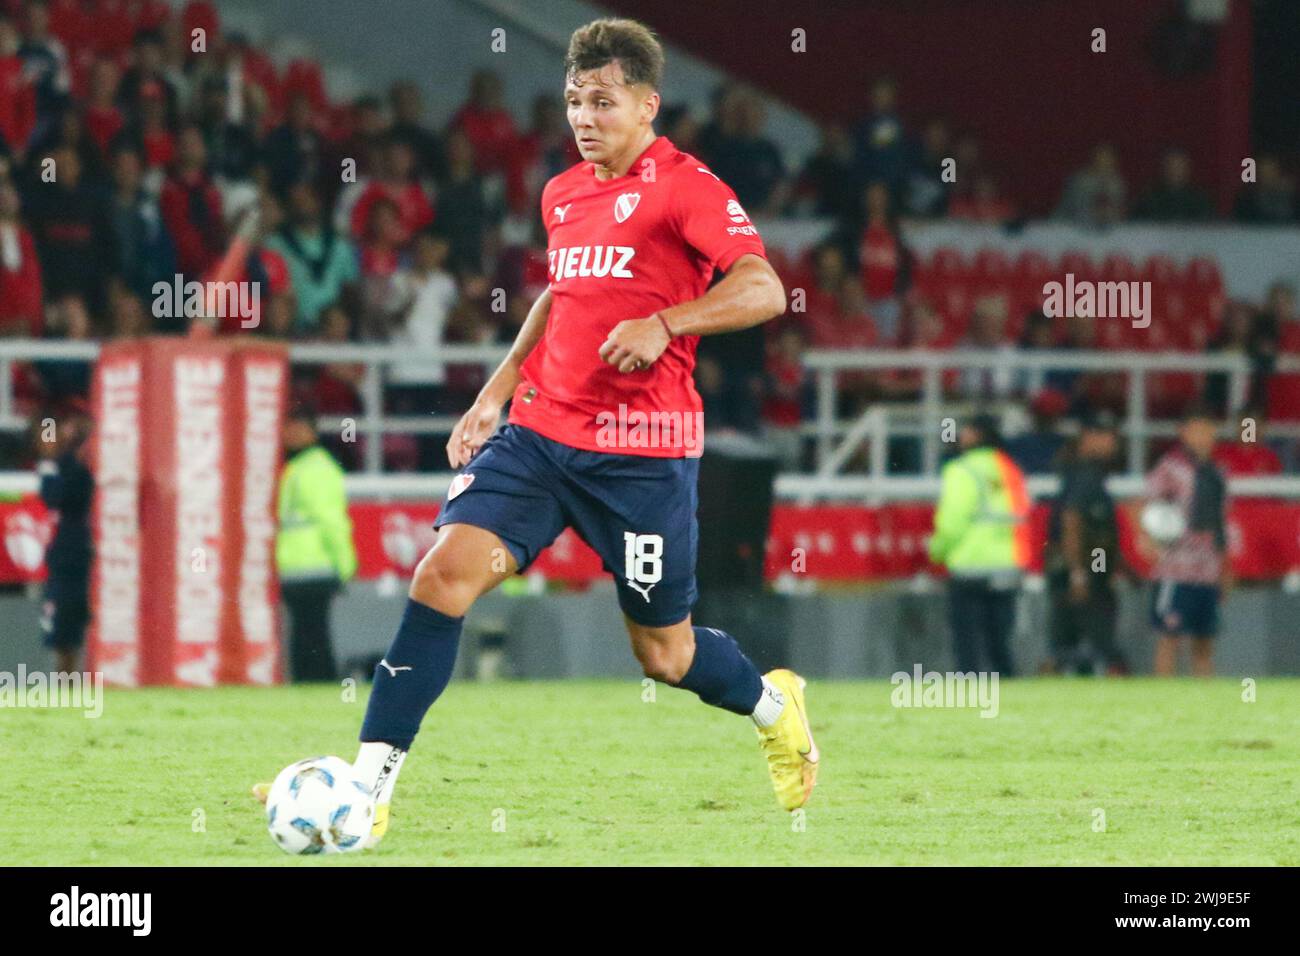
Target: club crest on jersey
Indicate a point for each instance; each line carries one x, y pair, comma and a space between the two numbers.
625, 205
459, 484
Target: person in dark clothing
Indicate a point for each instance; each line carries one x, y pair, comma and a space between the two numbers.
1175, 198
1036, 450
880, 139
294, 151
749, 161
67, 488
147, 77
464, 213
232, 153
408, 127
69, 222
828, 184
1083, 556
142, 249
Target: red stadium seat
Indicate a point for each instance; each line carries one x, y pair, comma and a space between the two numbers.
1284, 397
1079, 263
946, 261
991, 265
1203, 275
1118, 267
1160, 271
1290, 338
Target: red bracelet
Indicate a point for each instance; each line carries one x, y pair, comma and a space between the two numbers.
664, 323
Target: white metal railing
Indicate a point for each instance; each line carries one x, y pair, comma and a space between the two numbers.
802, 489
922, 419
932, 364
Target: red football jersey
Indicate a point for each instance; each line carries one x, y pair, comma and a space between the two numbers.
620, 249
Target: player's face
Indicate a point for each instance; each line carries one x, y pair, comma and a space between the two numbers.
607, 116
1198, 435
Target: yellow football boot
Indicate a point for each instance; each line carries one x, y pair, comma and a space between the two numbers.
788, 744
379, 827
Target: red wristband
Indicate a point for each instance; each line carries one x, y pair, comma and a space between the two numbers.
664, 323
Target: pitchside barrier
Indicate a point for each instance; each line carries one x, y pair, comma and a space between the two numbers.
188, 448
187, 454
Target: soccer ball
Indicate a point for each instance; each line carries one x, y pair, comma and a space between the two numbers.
319, 805
1163, 521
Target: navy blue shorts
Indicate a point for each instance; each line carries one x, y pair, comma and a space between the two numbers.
65, 611
636, 512
1191, 609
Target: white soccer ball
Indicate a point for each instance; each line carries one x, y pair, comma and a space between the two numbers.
319, 805
1163, 521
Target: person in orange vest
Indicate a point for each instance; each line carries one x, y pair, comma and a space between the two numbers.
981, 535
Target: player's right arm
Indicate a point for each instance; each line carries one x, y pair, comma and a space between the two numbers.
477, 425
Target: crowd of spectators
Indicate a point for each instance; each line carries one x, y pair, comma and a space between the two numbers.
129, 155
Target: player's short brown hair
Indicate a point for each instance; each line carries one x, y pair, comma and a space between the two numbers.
604, 41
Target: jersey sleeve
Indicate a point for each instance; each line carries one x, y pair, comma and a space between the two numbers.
712, 221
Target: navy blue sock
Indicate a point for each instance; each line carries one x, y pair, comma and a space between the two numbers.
413, 673
721, 674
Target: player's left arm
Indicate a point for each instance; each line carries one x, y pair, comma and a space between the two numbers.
748, 294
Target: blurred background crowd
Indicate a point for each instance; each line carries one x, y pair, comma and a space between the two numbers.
158, 149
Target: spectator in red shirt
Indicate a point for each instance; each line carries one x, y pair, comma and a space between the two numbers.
488, 124
337, 389
191, 206
17, 96
152, 132
1247, 455
984, 203
103, 118
397, 184
789, 385
21, 297
822, 295
385, 291
924, 330
880, 250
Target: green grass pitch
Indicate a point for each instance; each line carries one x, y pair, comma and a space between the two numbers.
587, 772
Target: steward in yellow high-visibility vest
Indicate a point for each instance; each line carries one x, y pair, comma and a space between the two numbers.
981, 535
314, 552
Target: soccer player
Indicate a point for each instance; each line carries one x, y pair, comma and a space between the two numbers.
1194, 572
635, 233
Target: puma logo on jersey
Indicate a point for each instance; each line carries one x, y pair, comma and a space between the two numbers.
391, 669
596, 261
562, 211
644, 591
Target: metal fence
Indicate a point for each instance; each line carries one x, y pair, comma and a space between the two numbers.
835, 438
